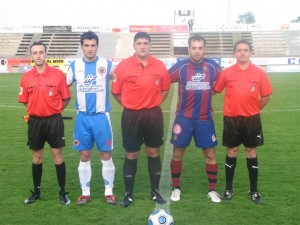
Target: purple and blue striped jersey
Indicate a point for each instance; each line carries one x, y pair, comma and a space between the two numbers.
195, 87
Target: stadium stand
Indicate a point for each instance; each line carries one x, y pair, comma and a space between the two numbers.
114, 45
292, 38
269, 43
58, 44
24, 46
274, 43
219, 44
61, 44
161, 44
9, 43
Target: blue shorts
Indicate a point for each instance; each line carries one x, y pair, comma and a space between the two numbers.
93, 128
203, 132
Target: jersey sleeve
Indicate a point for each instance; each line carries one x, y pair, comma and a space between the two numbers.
166, 80
23, 93
174, 73
218, 71
70, 74
220, 82
266, 88
116, 85
65, 90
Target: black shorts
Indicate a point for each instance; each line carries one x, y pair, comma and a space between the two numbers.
242, 130
142, 126
46, 129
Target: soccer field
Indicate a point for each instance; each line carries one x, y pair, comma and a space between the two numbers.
279, 177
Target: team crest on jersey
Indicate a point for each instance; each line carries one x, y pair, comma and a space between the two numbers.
205, 68
177, 129
76, 142
50, 93
101, 70
252, 89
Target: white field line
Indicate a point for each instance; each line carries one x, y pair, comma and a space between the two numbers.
165, 179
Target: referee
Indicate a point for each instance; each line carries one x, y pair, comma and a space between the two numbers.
44, 92
140, 84
248, 91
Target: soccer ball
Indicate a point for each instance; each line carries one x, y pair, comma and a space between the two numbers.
160, 217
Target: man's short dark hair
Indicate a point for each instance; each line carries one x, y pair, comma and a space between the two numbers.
89, 35
196, 38
243, 42
36, 43
141, 35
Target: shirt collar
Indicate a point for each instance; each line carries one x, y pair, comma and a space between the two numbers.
150, 60
248, 69
197, 63
44, 73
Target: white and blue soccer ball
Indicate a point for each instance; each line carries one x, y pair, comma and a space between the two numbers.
160, 217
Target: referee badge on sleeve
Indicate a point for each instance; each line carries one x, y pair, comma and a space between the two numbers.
157, 82
113, 77
20, 90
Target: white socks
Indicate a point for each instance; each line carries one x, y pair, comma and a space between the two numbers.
108, 174
85, 174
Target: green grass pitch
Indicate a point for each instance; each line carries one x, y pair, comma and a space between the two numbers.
279, 176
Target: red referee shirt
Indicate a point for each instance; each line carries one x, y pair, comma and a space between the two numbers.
140, 86
244, 89
44, 92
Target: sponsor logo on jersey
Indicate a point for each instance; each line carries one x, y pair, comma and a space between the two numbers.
90, 79
197, 83
198, 77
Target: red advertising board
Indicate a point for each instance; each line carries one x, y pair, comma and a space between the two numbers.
159, 28
19, 61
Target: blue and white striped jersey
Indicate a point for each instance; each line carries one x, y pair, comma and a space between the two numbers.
91, 80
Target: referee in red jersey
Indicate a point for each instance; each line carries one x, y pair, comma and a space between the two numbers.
44, 92
248, 91
140, 83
